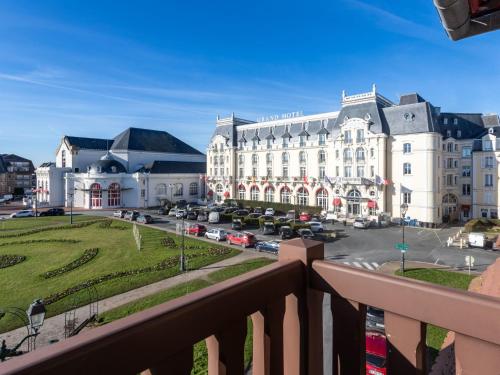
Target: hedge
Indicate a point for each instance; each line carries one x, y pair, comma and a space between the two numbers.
81, 224
481, 225
87, 256
27, 242
280, 207
11, 260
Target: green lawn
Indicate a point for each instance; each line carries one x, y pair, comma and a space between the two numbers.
436, 335
32, 222
118, 261
200, 351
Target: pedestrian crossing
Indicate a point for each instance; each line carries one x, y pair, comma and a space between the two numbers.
372, 266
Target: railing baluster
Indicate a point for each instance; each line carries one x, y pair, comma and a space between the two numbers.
474, 356
181, 363
226, 349
348, 336
406, 339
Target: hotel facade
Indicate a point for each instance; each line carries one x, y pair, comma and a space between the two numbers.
367, 159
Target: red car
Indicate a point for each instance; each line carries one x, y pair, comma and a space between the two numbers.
197, 230
244, 239
305, 216
376, 353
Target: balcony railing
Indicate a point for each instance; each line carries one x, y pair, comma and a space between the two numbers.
285, 303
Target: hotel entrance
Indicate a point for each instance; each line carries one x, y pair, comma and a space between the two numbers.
354, 203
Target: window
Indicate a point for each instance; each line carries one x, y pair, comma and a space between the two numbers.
254, 144
321, 173
178, 190
347, 154
95, 195
445, 121
487, 145
449, 163
240, 173
488, 162
322, 199
285, 195
242, 192
360, 171
484, 212
269, 172
407, 198
193, 188
269, 194
322, 139
63, 158
302, 141
466, 189
406, 168
77, 170
255, 159
466, 152
269, 143
241, 159
466, 171
337, 154
372, 171
285, 172
449, 179
303, 197
348, 171
241, 143
254, 193
219, 191
303, 172
321, 156
284, 158
254, 172
302, 157
285, 142
337, 171
455, 147
455, 163
347, 137
143, 193
493, 214
360, 154
459, 133
269, 158
450, 147
360, 136
455, 180
372, 152
114, 195
488, 180
161, 189
406, 148
448, 133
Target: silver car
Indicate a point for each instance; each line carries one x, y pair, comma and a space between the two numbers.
217, 234
361, 222
23, 213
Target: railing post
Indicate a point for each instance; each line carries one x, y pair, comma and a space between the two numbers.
226, 349
406, 350
474, 356
303, 323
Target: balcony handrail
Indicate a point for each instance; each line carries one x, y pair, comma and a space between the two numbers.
141, 341
472, 314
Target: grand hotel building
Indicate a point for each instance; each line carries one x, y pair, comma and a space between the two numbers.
366, 159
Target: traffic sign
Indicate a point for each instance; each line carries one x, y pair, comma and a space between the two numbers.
469, 261
401, 246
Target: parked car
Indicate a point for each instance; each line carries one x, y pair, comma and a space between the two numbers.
267, 218
305, 216
361, 222
202, 216
269, 211
197, 230
316, 226
316, 218
22, 213
241, 213
290, 215
214, 217
257, 210
237, 224
172, 212
180, 214
268, 228
52, 212
268, 246
162, 211
254, 215
376, 353
229, 210
280, 219
375, 319
217, 234
244, 239
120, 213
286, 232
131, 215
192, 215
305, 233
144, 219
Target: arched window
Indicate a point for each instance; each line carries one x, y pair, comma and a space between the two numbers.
347, 154
254, 193
322, 199
161, 189
406, 168
114, 195
372, 152
450, 198
354, 195
219, 190
406, 148
360, 154
285, 195
95, 196
178, 190
269, 194
302, 197
321, 156
193, 188
241, 159
269, 158
255, 159
242, 192
221, 160
284, 158
302, 157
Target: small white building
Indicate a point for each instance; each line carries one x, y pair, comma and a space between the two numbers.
138, 168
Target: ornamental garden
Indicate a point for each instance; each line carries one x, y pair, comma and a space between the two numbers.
50, 259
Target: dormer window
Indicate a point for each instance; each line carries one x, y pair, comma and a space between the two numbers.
490, 131
113, 169
322, 139
254, 144
302, 141
445, 121
285, 142
448, 133
455, 121
459, 133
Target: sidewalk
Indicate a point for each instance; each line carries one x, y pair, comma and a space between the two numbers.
53, 328
390, 268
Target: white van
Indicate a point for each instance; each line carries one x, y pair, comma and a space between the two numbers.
476, 239
214, 217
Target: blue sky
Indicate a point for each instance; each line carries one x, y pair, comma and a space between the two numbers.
93, 68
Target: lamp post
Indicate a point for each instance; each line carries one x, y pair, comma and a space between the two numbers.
404, 208
32, 319
183, 259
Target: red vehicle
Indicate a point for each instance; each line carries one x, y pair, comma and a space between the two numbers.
197, 230
305, 216
376, 353
244, 239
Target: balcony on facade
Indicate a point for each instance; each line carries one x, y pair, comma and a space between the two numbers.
284, 302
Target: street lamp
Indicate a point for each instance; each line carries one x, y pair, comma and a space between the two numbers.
36, 315
404, 209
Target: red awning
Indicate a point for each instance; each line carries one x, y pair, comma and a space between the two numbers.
227, 194
466, 207
337, 202
210, 193
372, 204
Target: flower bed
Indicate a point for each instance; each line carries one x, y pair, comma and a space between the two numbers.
11, 260
87, 256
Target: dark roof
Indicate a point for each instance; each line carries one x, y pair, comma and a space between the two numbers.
165, 167
363, 110
107, 166
469, 124
410, 99
137, 139
47, 164
3, 168
89, 143
12, 158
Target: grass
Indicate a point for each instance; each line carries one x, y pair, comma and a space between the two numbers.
24, 282
200, 351
436, 335
31, 222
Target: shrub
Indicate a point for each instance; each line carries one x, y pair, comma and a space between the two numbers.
11, 260
87, 256
168, 242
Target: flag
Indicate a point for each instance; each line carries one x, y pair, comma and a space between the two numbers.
387, 181
305, 180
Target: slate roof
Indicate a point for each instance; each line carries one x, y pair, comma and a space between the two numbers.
3, 167
89, 143
470, 125
410, 99
374, 109
165, 167
47, 164
137, 139
6, 159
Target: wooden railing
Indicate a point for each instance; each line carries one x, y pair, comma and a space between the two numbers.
285, 303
